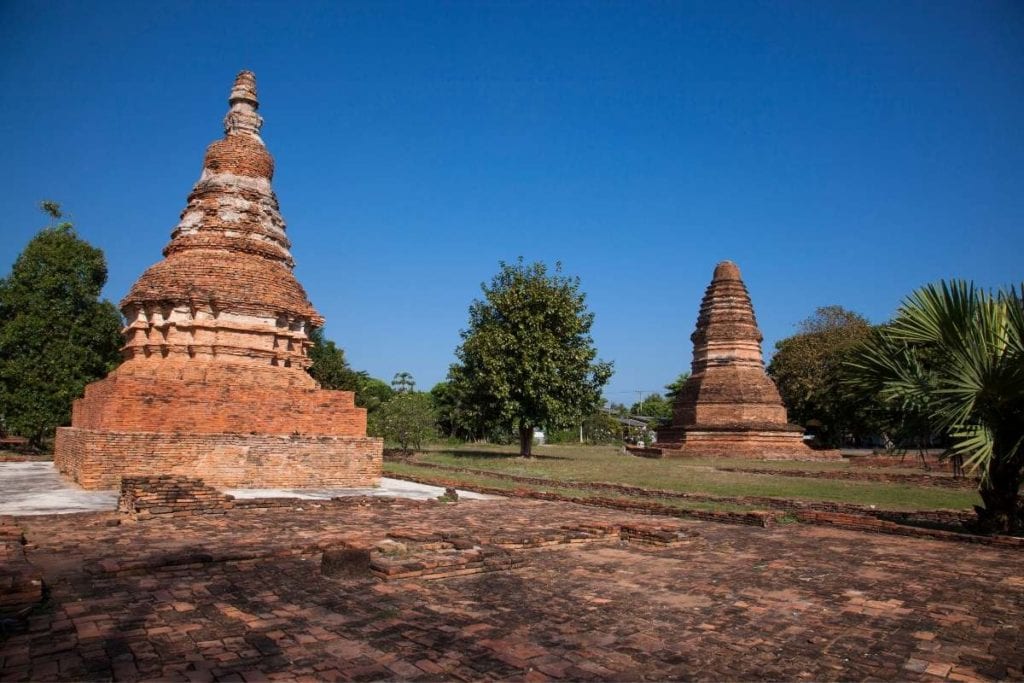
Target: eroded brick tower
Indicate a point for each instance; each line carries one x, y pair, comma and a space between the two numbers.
214, 381
729, 407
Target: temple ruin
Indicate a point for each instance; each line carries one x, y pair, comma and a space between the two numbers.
729, 407
214, 382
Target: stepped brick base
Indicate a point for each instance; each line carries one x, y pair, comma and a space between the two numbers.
178, 395
766, 444
99, 459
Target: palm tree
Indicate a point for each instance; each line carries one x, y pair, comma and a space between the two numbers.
956, 354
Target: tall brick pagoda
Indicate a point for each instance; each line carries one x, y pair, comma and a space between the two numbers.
214, 382
729, 407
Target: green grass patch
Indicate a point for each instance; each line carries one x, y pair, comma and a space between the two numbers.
583, 464
468, 480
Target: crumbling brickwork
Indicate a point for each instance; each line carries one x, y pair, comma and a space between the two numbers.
145, 497
729, 407
214, 380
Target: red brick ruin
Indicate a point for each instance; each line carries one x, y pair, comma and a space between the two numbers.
214, 382
729, 407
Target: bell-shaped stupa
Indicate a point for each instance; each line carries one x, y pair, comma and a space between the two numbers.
729, 407
214, 382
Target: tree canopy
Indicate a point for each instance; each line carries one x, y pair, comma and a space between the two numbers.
808, 369
407, 420
403, 383
56, 335
527, 358
673, 388
331, 369
654, 405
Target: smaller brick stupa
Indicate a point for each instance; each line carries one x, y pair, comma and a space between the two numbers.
214, 382
729, 407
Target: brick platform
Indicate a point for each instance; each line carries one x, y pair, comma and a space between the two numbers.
242, 596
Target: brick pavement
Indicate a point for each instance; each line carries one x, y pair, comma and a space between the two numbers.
241, 596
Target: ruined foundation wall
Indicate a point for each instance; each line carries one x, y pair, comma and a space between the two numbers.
130, 405
753, 444
98, 459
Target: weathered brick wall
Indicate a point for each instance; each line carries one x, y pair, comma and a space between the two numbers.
144, 497
99, 459
885, 526
780, 444
127, 404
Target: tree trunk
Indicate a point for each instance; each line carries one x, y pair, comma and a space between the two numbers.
1003, 511
526, 441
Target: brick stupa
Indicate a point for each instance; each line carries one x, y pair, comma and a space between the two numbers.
729, 407
214, 382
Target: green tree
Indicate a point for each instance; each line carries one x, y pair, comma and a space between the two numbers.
332, 371
373, 393
330, 368
673, 388
957, 353
654, 405
403, 383
808, 369
56, 335
455, 417
408, 420
527, 358
601, 427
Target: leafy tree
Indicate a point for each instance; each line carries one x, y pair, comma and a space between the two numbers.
455, 417
808, 369
618, 409
601, 427
654, 405
527, 358
56, 335
373, 393
408, 419
442, 400
956, 354
330, 368
673, 388
403, 383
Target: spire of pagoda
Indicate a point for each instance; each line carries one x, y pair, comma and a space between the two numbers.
228, 259
242, 118
727, 384
727, 332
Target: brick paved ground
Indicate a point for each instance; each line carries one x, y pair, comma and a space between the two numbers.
159, 599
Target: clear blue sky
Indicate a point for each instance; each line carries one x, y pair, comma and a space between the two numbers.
840, 153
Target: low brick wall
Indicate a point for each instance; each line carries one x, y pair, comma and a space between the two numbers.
857, 518
164, 496
886, 477
930, 460
144, 497
746, 443
884, 526
99, 459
